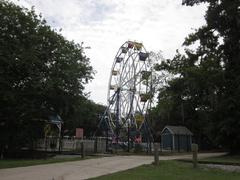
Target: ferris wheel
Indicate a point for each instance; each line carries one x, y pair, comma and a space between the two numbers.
130, 90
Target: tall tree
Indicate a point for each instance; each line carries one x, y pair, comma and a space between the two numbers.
86, 115
223, 18
205, 87
40, 72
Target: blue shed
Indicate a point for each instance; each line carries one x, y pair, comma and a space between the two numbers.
176, 138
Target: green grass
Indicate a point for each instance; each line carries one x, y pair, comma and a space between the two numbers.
12, 163
227, 159
172, 170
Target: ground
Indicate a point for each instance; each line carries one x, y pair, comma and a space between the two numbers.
84, 169
12, 163
172, 170
226, 159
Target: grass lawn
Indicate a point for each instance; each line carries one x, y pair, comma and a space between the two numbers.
226, 159
172, 170
11, 163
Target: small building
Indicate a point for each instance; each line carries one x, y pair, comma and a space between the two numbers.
176, 138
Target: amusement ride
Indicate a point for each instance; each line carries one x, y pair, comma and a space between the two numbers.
130, 95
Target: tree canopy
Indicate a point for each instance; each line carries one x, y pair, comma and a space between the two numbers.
40, 73
204, 93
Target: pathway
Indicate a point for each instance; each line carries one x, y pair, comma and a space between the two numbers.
84, 169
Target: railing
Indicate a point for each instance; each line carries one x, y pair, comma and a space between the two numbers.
51, 144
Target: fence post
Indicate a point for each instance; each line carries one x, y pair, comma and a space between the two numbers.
96, 145
82, 149
195, 153
156, 154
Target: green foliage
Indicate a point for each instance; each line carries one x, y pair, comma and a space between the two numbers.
204, 91
85, 115
40, 73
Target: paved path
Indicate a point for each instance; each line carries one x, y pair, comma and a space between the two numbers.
84, 169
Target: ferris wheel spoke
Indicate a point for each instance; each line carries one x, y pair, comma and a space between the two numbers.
121, 67
126, 72
124, 62
127, 103
137, 106
128, 66
123, 106
133, 65
124, 80
124, 102
133, 77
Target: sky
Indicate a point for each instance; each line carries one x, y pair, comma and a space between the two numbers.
104, 25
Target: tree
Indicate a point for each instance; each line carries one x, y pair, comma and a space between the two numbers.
223, 18
207, 78
86, 116
40, 71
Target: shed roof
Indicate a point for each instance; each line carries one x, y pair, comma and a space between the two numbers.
181, 130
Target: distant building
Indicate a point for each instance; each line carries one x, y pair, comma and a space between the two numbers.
176, 138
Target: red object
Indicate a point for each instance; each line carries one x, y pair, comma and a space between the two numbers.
79, 132
130, 45
138, 139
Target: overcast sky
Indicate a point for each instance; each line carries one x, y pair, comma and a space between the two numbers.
105, 25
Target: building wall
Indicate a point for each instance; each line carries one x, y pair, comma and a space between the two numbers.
182, 142
167, 140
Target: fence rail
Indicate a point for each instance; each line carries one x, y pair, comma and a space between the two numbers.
51, 144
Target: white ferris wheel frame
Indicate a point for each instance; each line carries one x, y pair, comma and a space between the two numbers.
127, 86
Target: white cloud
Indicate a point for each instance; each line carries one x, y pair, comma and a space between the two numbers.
106, 24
